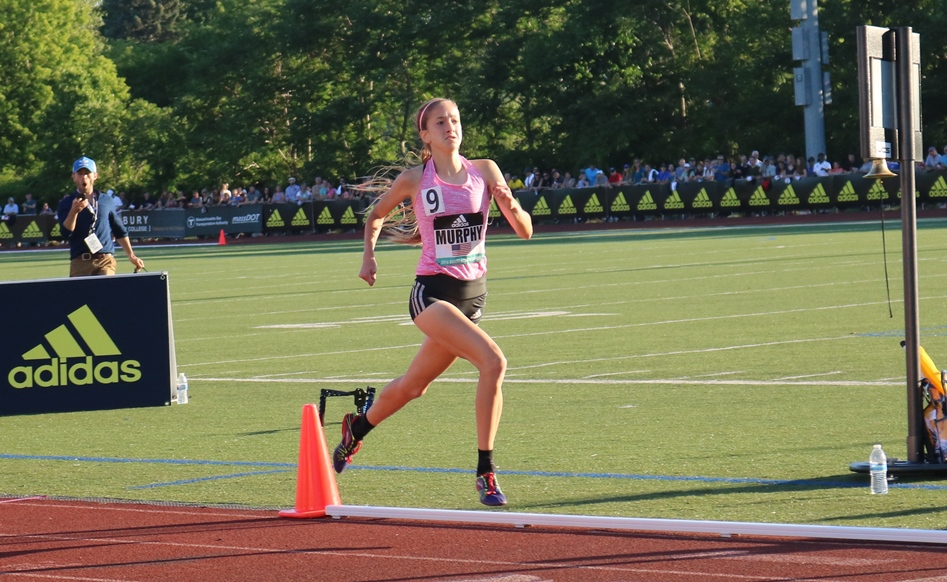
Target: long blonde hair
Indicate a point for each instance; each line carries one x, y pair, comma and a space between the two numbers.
401, 224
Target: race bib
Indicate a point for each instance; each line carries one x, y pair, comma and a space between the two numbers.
433, 199
458, 239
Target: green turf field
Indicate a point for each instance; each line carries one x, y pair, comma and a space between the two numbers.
729, 373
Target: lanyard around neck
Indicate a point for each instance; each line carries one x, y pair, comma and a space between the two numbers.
93, 207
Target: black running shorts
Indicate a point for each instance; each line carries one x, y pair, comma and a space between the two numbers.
468, 296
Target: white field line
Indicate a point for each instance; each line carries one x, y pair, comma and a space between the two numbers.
590, 376
678, 352
228, 315
184, 301
718, 276
730, 373
836, 372
506, 315
609, 359
294, 356
580, 330
563, 381
689, 320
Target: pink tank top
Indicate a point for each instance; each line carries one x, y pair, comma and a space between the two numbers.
452, 219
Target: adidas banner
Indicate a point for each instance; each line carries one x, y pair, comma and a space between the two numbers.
28, 229
693, 197
81, 352
754, 196
288, 218
337, 214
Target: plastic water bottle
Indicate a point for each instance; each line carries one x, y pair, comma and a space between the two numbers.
182, 388
878, 464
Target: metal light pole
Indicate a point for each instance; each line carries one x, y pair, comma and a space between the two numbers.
812, 87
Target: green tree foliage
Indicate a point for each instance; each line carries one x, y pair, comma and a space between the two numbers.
144, 20
60, 98
257, 90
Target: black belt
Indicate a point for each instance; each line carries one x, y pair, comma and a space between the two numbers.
90, 256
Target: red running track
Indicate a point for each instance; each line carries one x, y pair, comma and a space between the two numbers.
109, 542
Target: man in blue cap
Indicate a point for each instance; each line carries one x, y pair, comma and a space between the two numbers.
89, 221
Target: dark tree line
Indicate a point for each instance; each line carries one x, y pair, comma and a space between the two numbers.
185, 94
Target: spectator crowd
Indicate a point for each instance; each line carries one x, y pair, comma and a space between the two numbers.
225, 195
686, 169
784, 167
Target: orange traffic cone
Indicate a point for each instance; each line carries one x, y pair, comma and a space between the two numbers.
223, 238
315, 481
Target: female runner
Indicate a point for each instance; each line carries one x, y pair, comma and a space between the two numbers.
450, 198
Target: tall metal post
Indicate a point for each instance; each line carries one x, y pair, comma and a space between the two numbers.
889, 71
907, 102
810, 46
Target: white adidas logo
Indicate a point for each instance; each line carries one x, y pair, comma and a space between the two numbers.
461, 222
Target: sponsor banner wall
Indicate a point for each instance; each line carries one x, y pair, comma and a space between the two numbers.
288, 218
210, 220
167, 223
586, 203
783, 195
80, 352
813, 193
337, 214
693, 198
690, 198
650, 199
932, 186
535, 204
27, 229
740, 196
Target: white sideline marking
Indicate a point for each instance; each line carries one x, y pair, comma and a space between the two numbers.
406, 320
591, 376
562, 381
723, 528
835, 373
730, 373
683, 352
415, 345
696, 319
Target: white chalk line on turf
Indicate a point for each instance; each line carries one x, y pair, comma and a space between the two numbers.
678, 352
695, 319
577, 330
741, 274
562, 381
835, 373
544, 364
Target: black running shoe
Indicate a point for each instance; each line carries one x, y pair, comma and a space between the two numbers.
348, 447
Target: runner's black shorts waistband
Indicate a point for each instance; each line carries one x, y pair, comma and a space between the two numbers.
468, 296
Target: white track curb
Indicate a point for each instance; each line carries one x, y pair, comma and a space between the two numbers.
722, 528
